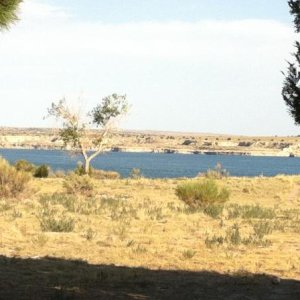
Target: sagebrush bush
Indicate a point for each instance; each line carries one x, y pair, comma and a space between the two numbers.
202, 194
90, 234
24, 165
250, 212
79, 170
75, 184
233, 237
52, 222
135, 173
214, 241
12, 181
67, 201
262, 228
188, 254
214, 211
41, 171
217, 173
53, 219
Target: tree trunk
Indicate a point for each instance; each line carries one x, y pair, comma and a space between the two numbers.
87, 166
87, 160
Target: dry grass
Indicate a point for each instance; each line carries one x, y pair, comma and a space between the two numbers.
141, 223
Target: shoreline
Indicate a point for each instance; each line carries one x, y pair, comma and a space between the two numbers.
160, 142
162, 151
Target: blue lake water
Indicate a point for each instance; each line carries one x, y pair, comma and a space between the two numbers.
157, 165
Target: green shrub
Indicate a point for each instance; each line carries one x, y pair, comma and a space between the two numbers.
41, 172
51, 220
91, 206
200, 195
188, 254
12, 182
234, 238
90, 234
214, 211
214, 241
250, 212
24, 165
253, 240
67, 201
75, 184
79, 170
262, 228
59, 223
155, 213
233, 235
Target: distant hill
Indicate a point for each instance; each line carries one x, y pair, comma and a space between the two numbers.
160, 141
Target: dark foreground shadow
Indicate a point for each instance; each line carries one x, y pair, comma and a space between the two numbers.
51, 278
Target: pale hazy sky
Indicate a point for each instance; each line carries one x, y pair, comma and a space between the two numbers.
185, 65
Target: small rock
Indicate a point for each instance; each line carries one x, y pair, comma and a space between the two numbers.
276, 280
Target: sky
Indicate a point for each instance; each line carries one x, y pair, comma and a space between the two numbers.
185, 65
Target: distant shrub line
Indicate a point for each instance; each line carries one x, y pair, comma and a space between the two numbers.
41, 171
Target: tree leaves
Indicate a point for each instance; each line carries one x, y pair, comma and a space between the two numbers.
295, 10
111, 107
8, 12
291, 90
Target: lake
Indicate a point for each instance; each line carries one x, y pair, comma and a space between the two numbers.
158, 165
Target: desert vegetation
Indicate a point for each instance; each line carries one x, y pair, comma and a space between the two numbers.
91, 234
194, 224
203, 194
12, 180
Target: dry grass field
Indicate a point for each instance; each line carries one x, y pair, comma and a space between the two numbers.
134, 239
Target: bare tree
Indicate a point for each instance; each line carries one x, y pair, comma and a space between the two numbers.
75, 131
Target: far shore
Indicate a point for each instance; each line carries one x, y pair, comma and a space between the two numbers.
161, 142
165, 151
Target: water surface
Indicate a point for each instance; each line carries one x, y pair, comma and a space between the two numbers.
158, 165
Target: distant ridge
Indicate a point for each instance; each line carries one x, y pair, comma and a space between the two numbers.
47, 130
